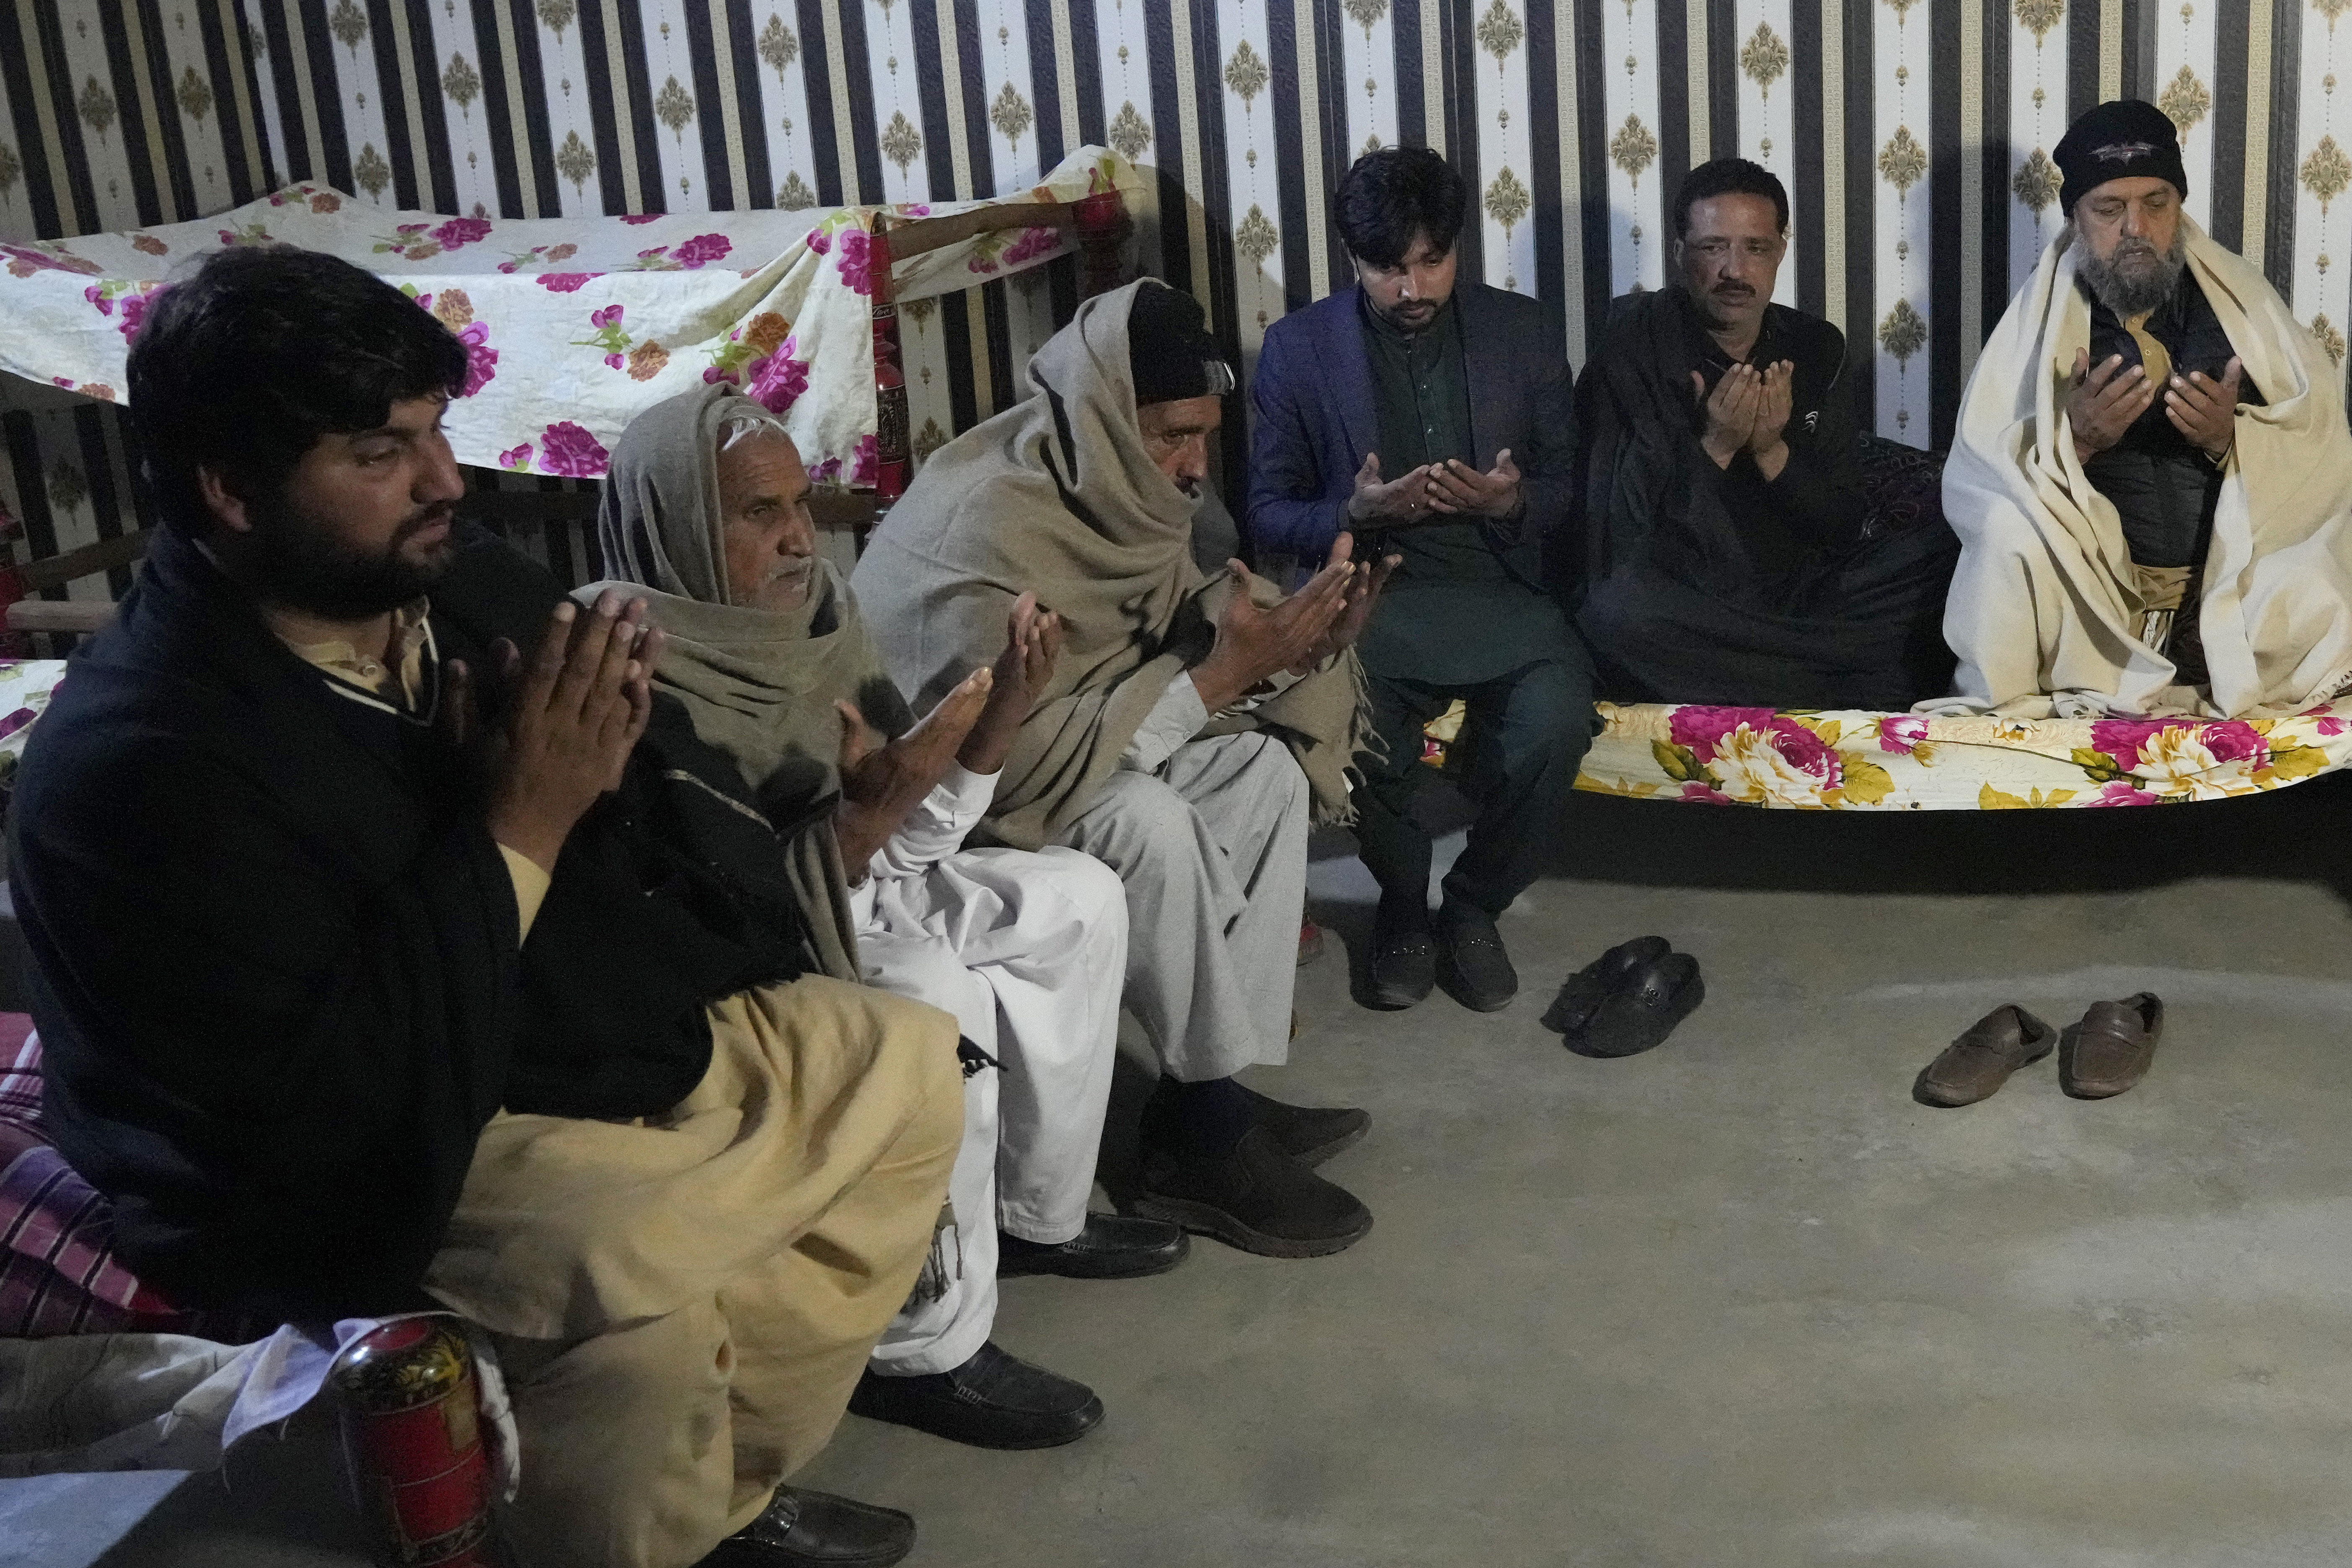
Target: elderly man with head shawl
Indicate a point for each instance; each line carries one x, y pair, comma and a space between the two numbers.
1180, 739
2151, 475
706, 506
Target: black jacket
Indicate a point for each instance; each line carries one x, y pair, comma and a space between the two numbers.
276, 967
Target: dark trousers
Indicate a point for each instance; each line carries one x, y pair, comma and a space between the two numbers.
1529, 730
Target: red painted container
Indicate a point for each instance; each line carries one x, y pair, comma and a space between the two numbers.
413, 1444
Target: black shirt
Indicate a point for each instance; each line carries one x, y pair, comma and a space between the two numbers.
1454, 611
1816, 504
2163, 488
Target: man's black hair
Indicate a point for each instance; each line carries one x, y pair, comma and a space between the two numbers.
1730, 177
243, 366
1387, 195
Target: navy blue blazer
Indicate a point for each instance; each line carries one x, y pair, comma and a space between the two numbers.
1313, 398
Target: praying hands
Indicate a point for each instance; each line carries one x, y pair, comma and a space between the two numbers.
1748, 411
883, 781
1033, 643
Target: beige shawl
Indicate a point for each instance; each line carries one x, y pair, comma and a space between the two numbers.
757, 685
1058, 495
2045, 607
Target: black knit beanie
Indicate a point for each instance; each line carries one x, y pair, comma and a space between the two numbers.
2118, 141
1170, 349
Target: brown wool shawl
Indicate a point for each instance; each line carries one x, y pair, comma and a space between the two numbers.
1058, 495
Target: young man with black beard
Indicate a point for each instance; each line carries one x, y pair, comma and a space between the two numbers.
1720, 474
380, 969
2161, 526
1429, 414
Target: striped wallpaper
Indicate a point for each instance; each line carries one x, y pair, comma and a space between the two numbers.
1914, 135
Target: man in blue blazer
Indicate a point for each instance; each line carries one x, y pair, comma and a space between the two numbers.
1430, 416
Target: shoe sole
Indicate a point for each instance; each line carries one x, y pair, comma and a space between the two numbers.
1089, 1416
1205, 1220
1383, 999
1927, 1093
1159, 1266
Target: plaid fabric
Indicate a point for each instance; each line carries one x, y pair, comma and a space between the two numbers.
58, 1274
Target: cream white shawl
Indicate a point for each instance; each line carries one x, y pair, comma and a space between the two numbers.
2042, 610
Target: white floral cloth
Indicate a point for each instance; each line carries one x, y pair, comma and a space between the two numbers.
1911, 761
573, 325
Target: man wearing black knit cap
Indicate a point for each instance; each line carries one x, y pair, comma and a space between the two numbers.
1188, 734
2161, 526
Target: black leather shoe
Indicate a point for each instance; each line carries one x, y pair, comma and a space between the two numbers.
1309, 1134
1641, 1016
1112, 1247
1590, 986
1404, 968
1471, 961
1257, 1198
816, 1530
993, 1401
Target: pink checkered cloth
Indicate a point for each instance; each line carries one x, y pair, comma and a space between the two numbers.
58, 1274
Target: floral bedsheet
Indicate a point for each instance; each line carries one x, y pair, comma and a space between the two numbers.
572, 325
1905, 762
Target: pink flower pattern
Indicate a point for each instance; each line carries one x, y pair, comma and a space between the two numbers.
701, 250
1902, 732
516, 457
2229, 740
777, 381
643, 217
2123, 792
566, 282
481, 360
460, 231
857, 256
864, 460
1033, 243
819, 242
568, 451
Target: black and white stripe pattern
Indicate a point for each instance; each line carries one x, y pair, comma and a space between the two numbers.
1912, 134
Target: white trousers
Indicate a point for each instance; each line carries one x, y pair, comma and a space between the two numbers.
1213, 849
1027, 951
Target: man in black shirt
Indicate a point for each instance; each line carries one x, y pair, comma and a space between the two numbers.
1431, 417
1728, 559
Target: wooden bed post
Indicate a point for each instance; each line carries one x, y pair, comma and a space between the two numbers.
1103, 230
893, 463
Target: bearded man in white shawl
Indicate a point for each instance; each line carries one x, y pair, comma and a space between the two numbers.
2151, 477
706, 506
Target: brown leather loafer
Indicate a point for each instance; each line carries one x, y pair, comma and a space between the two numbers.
2111, 1048
1975, 1066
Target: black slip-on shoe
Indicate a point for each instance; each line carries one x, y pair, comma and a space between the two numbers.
995, 1400
1639, 1017
1254, 1197
1404, 970
804, 1529
1111, 1246
1309, 1134
1571, 1011
1471, 962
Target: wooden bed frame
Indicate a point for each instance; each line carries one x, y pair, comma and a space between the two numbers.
1098, 223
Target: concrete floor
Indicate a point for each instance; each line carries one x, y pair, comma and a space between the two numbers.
1740, 1303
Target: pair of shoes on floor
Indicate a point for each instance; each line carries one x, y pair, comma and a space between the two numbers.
2104, 1055
1111, 1246
995, 1400
1460, 948
1262, 1195
1628, 1000
802, 1529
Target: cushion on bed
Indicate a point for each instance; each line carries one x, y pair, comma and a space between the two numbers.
58, 1274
